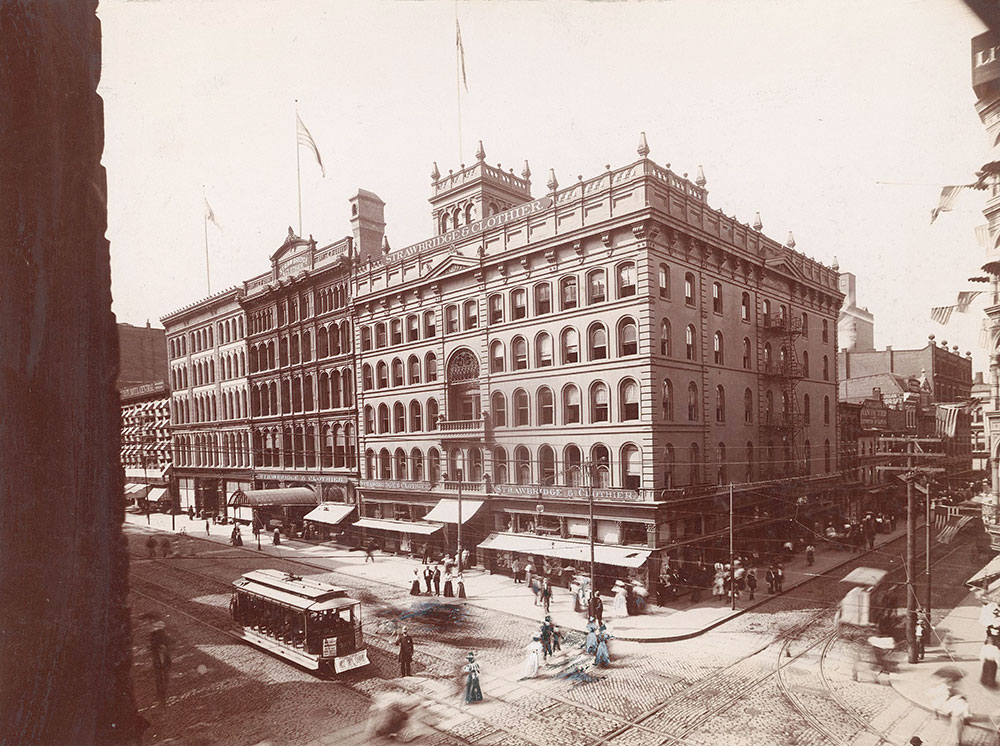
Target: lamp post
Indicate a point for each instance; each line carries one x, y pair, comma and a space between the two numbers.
589, 466
732, 568
458, 539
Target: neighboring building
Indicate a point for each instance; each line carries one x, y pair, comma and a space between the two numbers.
855, 325
948, 374
142, 355
617, 338
981, 396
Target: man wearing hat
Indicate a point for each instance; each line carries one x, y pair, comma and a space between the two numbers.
547, 629
405, 652
159, 650
916, 741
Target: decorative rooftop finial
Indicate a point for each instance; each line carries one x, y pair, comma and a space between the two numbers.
643, 149
701, 180
836, 265
385, 244
480, 152
790, 243
553, 184
758, 225
526, 172
435, 174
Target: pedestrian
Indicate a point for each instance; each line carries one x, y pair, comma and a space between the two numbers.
208, 532
449, 590
546, 594
810, 555
751, 583
190, 512
957, 710
533, 658
159, 650
602, 658
921, 636
465, 558
546, 636
188, 544
640, 593
597, 611
151, 546
779, 578
460, 583
415, 585
473, 692
405, 651
370, 551
425, 551
515, 568
989, 654
437, 580
276, 537
620, 606
771, 577
527, 572
428, 578
892, 521
448, 564
165, 546
590, 644
556, 639
536, 587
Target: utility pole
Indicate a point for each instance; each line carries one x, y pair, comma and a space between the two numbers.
590, 530
927, 551
732, 567
458, 552
911, 598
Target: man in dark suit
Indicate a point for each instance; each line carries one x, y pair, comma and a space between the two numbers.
405, 652
437, 580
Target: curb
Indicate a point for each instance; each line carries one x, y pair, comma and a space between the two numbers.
982, 722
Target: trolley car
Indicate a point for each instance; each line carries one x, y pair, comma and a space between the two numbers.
312, 624
871, 602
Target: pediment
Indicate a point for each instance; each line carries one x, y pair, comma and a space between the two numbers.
453, 263
783, 265
293, 244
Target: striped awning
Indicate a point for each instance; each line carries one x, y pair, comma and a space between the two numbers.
283, 496
399, 527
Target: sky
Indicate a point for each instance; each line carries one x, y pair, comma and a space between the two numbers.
838, 120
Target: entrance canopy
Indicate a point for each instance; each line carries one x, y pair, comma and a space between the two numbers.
400, 527
329, 513
446, 511
282, 497
156, 494
573, 551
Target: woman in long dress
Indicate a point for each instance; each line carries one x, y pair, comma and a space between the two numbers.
415, 585
473, 692
460, 582
620, 608
448, 590
533, 659
590, 646
602, 658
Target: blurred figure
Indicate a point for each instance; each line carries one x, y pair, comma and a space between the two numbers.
159, 651
473, 692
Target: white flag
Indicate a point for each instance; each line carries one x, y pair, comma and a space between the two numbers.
306, 139
947, 200
210, 214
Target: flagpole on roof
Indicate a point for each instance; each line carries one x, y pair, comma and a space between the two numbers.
459, 69
298, 163
208, 272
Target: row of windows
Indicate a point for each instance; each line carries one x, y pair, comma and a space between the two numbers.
330, 390
229, 330
205, 407
306, 446
230, 365
331, 340
212, 449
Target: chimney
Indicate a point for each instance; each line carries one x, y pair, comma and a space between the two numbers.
367, 224
979, 377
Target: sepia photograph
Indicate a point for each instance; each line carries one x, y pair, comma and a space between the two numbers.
500, 373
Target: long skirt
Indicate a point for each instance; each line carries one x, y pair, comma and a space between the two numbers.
591, 646
448, 592
415, 588
473, 693
461, 590
603, 658
530, 668
988, 677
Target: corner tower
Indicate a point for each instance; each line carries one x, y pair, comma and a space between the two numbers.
475, 193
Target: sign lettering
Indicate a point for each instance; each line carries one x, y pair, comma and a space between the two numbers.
147, 388
329, 647
386, 484
600, 493
347, 662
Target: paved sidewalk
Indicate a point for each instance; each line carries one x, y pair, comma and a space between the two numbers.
680, 620
957, 640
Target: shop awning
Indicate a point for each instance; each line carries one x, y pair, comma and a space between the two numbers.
329, 513
446, 511
401, 527
156, 494
604, 554
987, 577
129, 486
283, 496
137, 490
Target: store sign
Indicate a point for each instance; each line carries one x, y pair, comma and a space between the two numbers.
302, 477
388, 484
874, 416
472, 229
292, 265
131, 392
347, 662
599, 493
329, 647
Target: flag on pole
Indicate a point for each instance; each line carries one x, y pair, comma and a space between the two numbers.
941, 314
461, 53
947, 200
983, 238
965, 299
306, 139
210, 215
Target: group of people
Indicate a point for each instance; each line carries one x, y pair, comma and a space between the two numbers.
473, 689
546, 643
454, 583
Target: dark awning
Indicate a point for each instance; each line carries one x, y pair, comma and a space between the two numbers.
284, 496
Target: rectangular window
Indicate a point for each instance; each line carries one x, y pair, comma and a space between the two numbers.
451, 319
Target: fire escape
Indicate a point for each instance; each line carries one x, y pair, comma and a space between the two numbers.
780, 418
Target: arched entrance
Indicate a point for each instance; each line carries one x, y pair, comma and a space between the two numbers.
463, 386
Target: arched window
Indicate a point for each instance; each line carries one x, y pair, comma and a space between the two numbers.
720, 455
475, 465
470, 312
430, 324
745, 307
601, 458
416, 417
518, 304
412, 334
596, 287
370, 464
417, 465
500, 465
399, 464
631, 467
826, 368
543, 298
597, 338
768, 407
495, 306
367, 380
805, 364
717, 297
568, 293
629, 400
385, 464
496, 357
693, 402
519, 354
431, 367
827, 456
720, 403
383, 418
628, 338
451, 319
626, 279
521, 408
543, 350
767, 312
398, 418
396, 331
826, 410
432, 414
805, 324
689, 289
806, 409
570, 343
599, 410
664, 281
718, 349
694, 461
547, 465
665, 338
826, 331
667, 400
767, 357
498, 406
434, 466
572, 466
689, 351
748, 406
381, 374
397, 372
380, 335
413, 363
546, 406
522, 465
571, 405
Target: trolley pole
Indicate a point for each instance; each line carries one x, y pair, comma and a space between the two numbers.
732, 567
458, 551
911, 598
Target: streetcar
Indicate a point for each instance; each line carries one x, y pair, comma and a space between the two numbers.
310, 623
871, 602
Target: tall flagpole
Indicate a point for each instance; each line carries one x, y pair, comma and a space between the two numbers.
458, 82
208, 272
298, 164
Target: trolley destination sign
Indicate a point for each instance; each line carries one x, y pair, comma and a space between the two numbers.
472, 229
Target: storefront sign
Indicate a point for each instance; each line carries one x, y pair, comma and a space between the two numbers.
329, 647
472, 229
131, 392
874, 416
387, 484
302, 477
599, 493
354, 660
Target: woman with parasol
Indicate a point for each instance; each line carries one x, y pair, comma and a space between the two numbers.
473, 692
